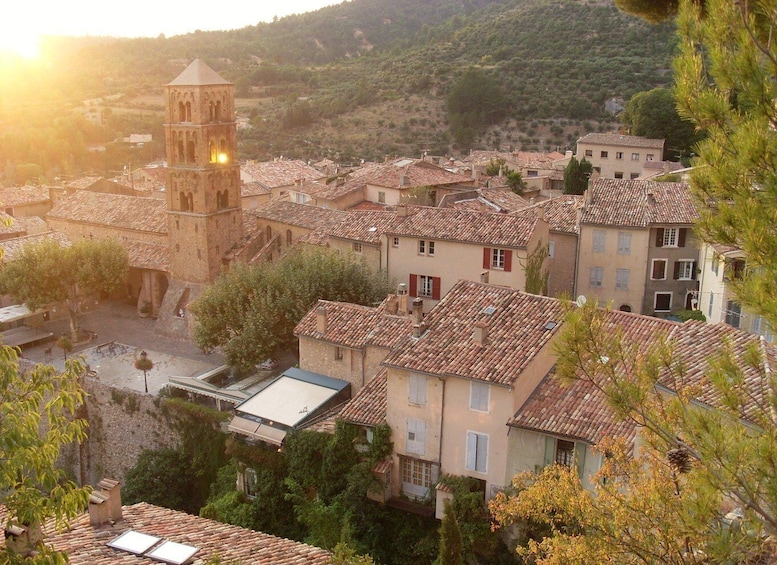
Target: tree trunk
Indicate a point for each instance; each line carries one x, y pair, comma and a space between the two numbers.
74, 329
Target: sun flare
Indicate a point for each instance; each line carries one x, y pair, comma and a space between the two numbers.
22, 43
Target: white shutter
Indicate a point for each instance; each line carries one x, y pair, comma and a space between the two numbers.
472, 448
416, 436
482, 453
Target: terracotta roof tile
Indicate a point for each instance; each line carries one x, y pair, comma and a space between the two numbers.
368, 407
12, 247
518, 327
638, 203
19, 195
409, 173
366, 226
623, 140
561, 212
275, 174
87, 545
302, 215
471, 227
115, 210
148, 255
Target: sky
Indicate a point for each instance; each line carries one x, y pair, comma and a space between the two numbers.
24, 20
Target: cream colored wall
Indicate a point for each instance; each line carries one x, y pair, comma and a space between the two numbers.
561, 267
610, 260
370, 253
399, 410
393, 195
78, 230
610, 164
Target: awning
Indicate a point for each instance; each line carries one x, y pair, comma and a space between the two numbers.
258, 431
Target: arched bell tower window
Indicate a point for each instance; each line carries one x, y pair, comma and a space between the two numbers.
213, 152
181, 112
184, 202
181, 151
191, 151
269, 233
217, 113
188, 111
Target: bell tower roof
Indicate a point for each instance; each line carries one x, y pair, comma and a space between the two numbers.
198, 74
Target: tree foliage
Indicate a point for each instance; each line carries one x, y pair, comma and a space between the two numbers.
251, 312
576, 176
475, 100
451, 547
46, 273
37, 419
653, 114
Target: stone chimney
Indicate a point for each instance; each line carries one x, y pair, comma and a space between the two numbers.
402, 209
23, 540
481, 333
392, 304
402, 299
589, 196
321, 319
484, 277
404, 181
99, 511
541, 213
475, 173
418, 310
105, 503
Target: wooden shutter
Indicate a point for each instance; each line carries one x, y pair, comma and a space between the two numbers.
660, 237
413, 285
436, 288
508, 260
486, 257
676, 270
472, 448
693, 270
681, 237
580, 458
550, 450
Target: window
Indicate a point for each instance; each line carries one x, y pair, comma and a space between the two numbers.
494, 258
425, 247
658, 271
635, 156
597, 277
733, 314
416, 436
734, 270
416, 393
662, 302
381, 197
477, 452
589, 152
633, 176
416, 477
761, 327
619, 155
685, 270
599, 238
250, 481
709, 309
497, 258
624, 243
603, 154
338, 353
618, 174
425, 286
715, 264
532, 173
302, 198
478, 396
565, 452
551, 249
621, 279
395, 241
649, 157
430, 250
288, 237
670, 237
357, 247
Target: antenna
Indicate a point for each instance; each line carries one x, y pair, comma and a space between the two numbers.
581, 300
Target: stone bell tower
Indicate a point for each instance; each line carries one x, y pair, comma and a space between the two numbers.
203, 181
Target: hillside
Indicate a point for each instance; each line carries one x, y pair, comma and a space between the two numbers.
362, 79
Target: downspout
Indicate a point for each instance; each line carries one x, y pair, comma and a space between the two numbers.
442, 418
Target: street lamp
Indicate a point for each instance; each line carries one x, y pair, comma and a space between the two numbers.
143, 363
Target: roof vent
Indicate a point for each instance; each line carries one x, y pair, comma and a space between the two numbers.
488, 310
550, 325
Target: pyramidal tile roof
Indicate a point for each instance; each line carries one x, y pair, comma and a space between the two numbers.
115, 210
198, 74
368, 407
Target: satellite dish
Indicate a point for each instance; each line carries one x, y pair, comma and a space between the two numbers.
580, 300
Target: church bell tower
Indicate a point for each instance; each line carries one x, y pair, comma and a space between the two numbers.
203, 180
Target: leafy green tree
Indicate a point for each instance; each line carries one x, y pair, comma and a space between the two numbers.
515, 182
163, 477
37, 419
653, 114
576, 176
495, 165
536, 273
652, 10
46, 273
451, 546
475, 100
251, 312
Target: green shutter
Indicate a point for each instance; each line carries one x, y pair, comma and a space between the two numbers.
550, 450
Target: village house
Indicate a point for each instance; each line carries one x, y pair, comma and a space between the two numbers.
636, 246
110, 533
25, 201
279, 177
500, 200
617, 156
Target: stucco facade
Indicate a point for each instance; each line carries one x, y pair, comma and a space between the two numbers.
616, 156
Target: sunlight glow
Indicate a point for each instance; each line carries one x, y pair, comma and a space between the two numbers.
21, 42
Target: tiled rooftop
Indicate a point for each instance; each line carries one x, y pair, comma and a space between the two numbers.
366, 226
12, 247
115, 210
148, 255
302, 215
279, 173
20, 195
638, 203
561, 212
471, 227
518, 328
87, 545
624, 140
368, 407
415, 173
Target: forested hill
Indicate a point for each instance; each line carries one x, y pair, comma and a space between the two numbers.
377, 75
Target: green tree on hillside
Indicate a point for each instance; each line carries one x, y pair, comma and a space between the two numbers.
46, 273
576, 176
475, 101
251, 311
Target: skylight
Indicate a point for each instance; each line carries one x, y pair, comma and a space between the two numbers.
147, 545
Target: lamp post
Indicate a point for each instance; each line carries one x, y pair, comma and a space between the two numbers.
143, 363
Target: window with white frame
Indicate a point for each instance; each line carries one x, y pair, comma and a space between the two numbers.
551, 249
624, 243
416, 436
635, 156
621, 279
395, 241
425, 286
565, 452
381, 197
338, 353
603, 154
662, 302
250, 481
598, 241
709, 308
425, 247
416, 477
477, 452
479, 396
658, 270
416, 393
684, 269
357, 247
670, 237
619, 154
498, 258
649, 157
596, 277
762, 327
589, 152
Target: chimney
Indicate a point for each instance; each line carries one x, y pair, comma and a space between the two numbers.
392, 304
475, 174
481, 333
404, 181
589, 196
112, 489
402, 299
418, 310
99, 511
541, 212
419, 329
23, 540
484, 277
321, 319
402, 210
